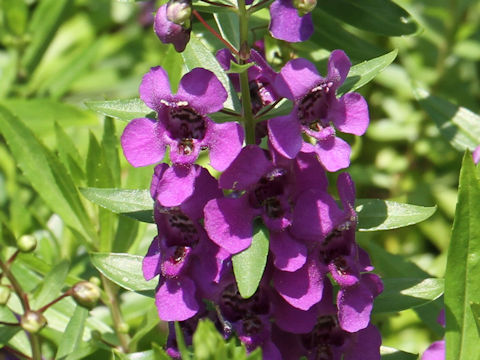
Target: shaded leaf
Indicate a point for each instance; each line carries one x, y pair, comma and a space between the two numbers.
463, 265
376, 214
405, 293
458, 125
389, 353
52, 285
72, 337
378, 16
248, 266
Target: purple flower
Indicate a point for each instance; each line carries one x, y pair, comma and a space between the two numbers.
286, 23
436, 351
317, 112
261, 78
172, 23
182, 122
188, 263
270, 186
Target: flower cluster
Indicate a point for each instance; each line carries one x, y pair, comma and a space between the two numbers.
317, 290
203, 221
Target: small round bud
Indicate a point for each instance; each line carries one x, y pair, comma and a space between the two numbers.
4, 294
33, 321
304, 7
26, 243
95, 280
86, 294
180, 12
123, 328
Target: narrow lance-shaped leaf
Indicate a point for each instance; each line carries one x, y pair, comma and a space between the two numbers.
72, 337
376, 214
137, 204
52, 285
46, 174
389, 353
366, 71
458, 125
405, 293
125, 110
248, 266
378, 16
124, 270
462, 287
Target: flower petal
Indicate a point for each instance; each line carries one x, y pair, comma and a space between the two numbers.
225, 142
142, 143
436, 351
229, 223
333, 153
338, 67
202, 90
175, 300
155, 87
354, 307
151, 261
290, 255
246, 170
350, 114
302, 288
285, 134
297, 78
176, 185
285, 24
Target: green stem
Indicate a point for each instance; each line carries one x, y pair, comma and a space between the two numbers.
36, 349
116, 314
243, 56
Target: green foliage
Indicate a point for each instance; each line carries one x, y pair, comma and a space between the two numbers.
461, 286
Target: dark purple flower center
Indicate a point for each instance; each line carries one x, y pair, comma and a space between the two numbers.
259, 94
324, 335
268, 191
185, 125
312, 108
182, 229
235, 308
179, 254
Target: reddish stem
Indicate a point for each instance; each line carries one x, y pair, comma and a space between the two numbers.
217, 35
45, 307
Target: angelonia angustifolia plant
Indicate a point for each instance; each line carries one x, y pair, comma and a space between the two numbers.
315, 288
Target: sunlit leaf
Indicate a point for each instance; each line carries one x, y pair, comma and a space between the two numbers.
125, 110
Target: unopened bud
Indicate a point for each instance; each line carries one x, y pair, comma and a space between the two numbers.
95, 280
33, 321
180, 12
86, 294
304, 7
4, 294
123, 328
27, 243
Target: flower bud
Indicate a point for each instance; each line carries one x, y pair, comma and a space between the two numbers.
304, 7
180, 12
86, 294
33, 321
173, 23
123, 328
26, 243
4, 294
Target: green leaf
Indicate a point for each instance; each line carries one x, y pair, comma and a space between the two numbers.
125, 110
15, 13
196, 54
364, 72
159, 353
7, 332
69, 154
248, 266
182, 347
124, 270
110, 145
151, 320
72, 337
476, 313
237, 68
40, 115
137, 204
389, 353
8, 69
228, 25
329, 34
45, 21
405, 293
45, 173
463, 265
458, 125
378, 16
208, 344
52, 285
284, 107
376, 214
